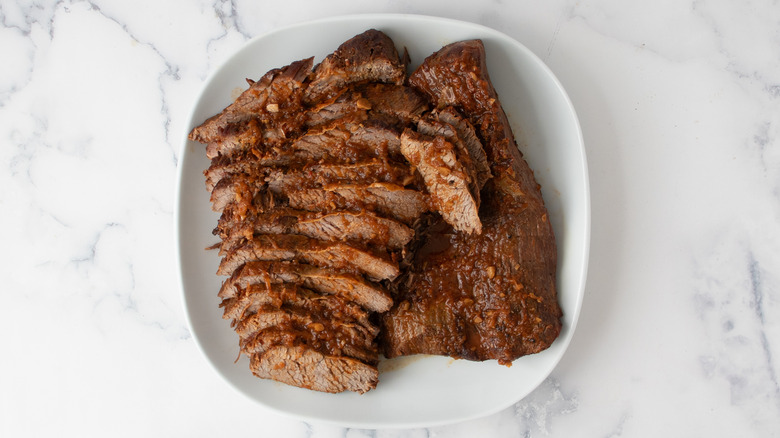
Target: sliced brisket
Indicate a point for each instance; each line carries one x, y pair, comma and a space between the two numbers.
255, 296
446, 179
330, 340
274, 102
468, 137
402, 103
349, 286
336, 332
386, 199
344, 226
350, 140
300, 366
335, 255
370, 56
318, 175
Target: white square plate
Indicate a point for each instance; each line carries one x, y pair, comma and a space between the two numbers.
421, 390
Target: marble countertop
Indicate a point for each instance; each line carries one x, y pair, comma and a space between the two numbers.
679, 103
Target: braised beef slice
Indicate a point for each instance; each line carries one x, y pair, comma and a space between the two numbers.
255, 296
350, 287
467, 136
330, 341
370, 56
359, 227
487, 296
435, 128
400, 102
385, 199
237, 137
350, 140
235, 188
222, 166
337, 255
320, 174
468, 149
445, 177
331, 334
273, 103
300, 366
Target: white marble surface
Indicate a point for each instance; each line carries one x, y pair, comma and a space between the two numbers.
679, 103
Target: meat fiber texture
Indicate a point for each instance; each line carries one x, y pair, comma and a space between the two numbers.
330, 180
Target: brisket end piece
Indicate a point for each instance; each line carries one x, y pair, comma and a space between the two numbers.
370, 56
502, 304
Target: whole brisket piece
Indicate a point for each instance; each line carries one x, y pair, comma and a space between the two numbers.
487, 296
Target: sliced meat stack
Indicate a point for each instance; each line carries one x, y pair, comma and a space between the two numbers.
318, 205
331, 179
